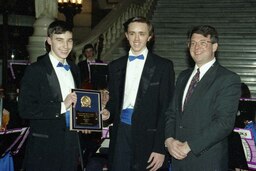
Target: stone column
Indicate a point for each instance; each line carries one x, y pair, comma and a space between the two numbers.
46, 12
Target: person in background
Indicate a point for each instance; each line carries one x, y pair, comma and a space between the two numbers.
10, 107
246, 110
245, 91
249, 116
140, 87
14, 121
98, 161
88, 53
45, 100
204, 107
90, 143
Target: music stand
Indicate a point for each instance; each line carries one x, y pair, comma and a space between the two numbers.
17, 69
246, 110
99, 75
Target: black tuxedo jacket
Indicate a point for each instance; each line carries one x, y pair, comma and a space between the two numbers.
50, 143
154, 93
207, 119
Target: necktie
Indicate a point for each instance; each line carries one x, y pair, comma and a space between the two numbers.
132, 58
66, 66
192, 85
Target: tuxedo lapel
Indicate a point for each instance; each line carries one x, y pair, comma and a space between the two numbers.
52, 79
119, 74
147, 73
74, 74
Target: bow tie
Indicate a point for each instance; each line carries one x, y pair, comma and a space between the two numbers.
131, 58
66, 66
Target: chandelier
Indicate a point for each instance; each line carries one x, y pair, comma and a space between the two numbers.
70, 8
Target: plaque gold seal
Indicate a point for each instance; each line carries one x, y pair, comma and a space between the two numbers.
86, 101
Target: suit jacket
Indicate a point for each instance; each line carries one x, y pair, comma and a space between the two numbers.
50, 143
207, 119
154, 93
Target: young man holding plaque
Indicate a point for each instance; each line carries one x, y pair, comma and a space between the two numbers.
141, 85
204, 107
45, 99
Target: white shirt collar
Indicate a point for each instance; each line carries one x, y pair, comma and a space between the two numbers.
144, 53
54, 61
204, 68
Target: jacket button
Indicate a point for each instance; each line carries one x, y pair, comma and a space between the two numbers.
180, 127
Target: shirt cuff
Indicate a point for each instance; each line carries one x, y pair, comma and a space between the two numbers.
63, 108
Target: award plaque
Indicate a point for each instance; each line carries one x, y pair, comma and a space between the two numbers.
86, 113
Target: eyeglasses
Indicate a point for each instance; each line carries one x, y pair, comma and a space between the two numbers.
202, 43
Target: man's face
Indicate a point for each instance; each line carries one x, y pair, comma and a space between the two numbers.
61, 45
138, 36
89, 53
201, 49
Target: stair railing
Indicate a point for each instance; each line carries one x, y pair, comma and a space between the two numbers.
108, 34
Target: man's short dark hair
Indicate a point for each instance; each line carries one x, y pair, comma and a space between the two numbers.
58, 27
87, 46
140, 20
204, 30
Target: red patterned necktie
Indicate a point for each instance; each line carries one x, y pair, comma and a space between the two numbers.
192, 85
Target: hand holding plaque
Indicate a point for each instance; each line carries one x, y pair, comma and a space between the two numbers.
85, 115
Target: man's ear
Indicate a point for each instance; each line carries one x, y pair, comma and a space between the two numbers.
126, 35
149, 38
215, 47
49, 41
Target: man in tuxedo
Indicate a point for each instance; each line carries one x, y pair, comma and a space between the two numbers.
204, 107
84, 66
140, 87
45, 99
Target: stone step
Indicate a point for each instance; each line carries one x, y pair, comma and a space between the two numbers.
221, 35
171, 14
235, 21
166, 9
183, 38
181, 56
203, 1
222, 48
169, 23
208, 20
206, 4
171, 30
231, 64
227, 41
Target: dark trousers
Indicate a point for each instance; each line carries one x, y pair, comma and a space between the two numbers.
122, 155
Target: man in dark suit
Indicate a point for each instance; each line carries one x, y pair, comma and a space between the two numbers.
45, 99
140, 88
202, 116
84, 66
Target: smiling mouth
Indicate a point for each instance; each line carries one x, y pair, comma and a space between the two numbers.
198, 52
65, 52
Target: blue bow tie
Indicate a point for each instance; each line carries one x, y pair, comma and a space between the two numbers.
66, 66
131, 58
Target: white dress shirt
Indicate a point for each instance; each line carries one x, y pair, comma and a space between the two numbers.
65, 79
132, 79
203, 69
